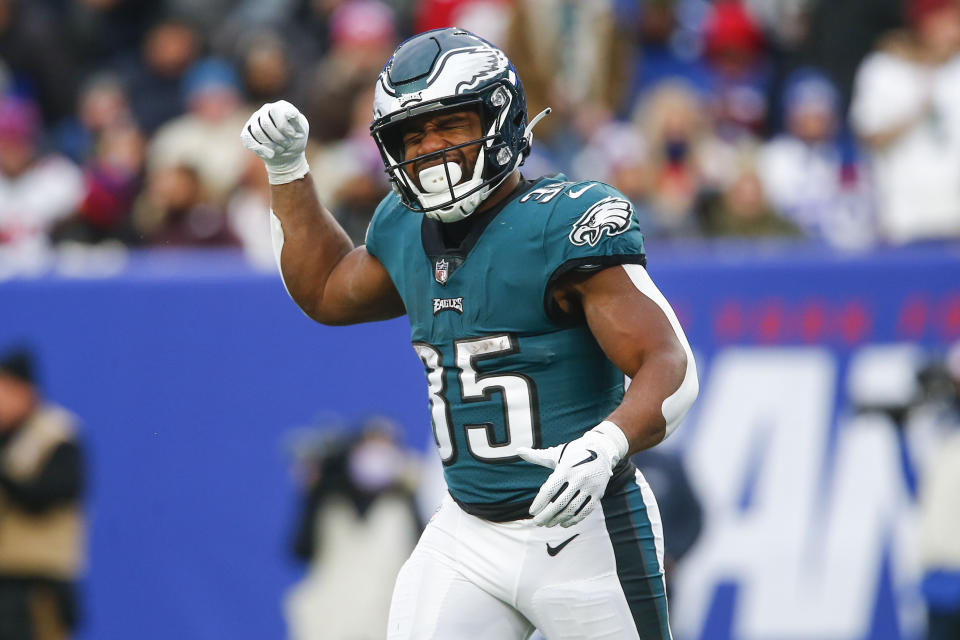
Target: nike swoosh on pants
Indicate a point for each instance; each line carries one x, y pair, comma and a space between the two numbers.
557, 549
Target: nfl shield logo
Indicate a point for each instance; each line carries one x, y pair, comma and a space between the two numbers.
441, 271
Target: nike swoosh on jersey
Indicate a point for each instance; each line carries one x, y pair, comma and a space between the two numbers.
589, 458
579, 192
557, 549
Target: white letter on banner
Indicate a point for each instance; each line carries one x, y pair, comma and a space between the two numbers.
804, 549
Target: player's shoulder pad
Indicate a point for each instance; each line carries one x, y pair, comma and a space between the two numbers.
389, 207
586, 226
387, 214
586, 211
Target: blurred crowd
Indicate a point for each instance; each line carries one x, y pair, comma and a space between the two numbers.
835, 121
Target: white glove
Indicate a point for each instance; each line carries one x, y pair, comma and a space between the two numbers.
582, 470
277, 133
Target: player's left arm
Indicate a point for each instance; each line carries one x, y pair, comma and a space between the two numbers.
639, 332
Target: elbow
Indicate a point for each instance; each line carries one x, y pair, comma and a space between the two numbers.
313, 305
333, 322
325, 316
654, 435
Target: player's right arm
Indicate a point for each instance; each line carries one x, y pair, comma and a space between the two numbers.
333, 282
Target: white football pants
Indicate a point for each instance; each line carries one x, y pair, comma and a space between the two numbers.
471, 579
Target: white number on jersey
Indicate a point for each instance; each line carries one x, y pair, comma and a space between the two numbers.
518, 393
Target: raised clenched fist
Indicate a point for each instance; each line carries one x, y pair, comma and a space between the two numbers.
277, 133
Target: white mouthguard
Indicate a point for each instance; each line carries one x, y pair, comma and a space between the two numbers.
434, 179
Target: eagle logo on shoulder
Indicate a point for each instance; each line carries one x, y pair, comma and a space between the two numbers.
609, 216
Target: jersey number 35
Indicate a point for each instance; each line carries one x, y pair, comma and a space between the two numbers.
518, 391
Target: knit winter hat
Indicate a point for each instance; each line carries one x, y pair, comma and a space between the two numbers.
18, 363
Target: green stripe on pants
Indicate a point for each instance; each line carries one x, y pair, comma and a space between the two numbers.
636, 555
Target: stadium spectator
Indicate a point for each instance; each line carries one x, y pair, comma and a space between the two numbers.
906, 109
840, 33
804, 172
350, 173
173, 211
617, 154
489, 17
204, 137
595, 51
676, 130
112, 180
103, 103
666, 50
742, 210
39, 57
306, 28
357, 525
41, 518
37, 190
154, 78
100, 32
267, 69
362, 36
206, 15
106, 142
739, 69
939, 508
784, 20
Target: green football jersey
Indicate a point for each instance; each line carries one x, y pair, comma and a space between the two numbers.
505, 368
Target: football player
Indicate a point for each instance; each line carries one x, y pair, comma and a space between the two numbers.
528, 301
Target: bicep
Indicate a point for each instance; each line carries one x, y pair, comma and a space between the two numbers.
639, 332
628, 317
359, 289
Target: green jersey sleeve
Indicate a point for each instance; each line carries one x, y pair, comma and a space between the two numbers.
381, 219
590, 226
